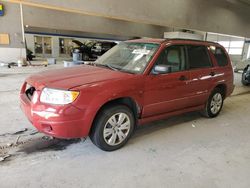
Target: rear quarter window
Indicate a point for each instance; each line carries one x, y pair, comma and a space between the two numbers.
219, 55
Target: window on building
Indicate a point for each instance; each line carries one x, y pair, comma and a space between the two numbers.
234, 45
38, 45
225, 44
43, 45
65, 46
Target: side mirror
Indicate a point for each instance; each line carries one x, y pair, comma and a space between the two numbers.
161, 69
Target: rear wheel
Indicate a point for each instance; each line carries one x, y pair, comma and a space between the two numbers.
113, 127
214, 103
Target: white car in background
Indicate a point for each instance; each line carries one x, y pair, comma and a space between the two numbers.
241, 65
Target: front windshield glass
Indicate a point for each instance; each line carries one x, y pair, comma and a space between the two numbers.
128, 57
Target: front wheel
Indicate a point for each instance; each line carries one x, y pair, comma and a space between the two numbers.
214, 103
113, 127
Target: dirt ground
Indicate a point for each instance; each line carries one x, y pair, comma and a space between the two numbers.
183, 151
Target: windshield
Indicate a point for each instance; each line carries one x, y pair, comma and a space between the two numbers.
129, 57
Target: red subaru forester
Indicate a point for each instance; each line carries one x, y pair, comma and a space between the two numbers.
135, 82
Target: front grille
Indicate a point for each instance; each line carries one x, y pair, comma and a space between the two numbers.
30, 91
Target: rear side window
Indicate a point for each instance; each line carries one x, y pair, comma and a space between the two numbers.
198, 57
219, 55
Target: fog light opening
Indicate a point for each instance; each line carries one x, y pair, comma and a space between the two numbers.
46, 128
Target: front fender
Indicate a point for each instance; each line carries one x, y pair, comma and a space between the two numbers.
94, 96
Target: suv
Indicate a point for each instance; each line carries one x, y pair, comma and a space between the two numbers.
92, 49
100, 48
134, 83
245, 79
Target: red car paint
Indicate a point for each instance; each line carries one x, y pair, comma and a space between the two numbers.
156, 96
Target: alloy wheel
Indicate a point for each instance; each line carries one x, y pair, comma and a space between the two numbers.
116, 129
216, 103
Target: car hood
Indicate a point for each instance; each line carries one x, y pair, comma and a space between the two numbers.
69, 78
78, 42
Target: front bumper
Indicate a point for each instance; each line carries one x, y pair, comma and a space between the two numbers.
61, 121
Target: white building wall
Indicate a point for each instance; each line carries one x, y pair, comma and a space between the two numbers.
8, 55
10, 23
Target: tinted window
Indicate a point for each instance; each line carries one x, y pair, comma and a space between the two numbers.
174, 57
219, 55
198, 57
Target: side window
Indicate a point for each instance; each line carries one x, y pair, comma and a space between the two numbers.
198, 57
174, 57
219, 55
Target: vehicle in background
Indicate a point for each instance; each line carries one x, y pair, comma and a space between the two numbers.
91, 50
101, 47
134, 83
246, 76
241, 65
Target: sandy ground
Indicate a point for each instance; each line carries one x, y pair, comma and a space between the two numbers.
183, 151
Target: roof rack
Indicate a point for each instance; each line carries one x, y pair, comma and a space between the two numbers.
194, 40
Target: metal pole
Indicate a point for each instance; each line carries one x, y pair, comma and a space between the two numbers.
21, 12
23, 37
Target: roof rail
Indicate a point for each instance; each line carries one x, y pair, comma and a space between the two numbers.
194, 40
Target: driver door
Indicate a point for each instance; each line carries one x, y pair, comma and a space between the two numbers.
167, 92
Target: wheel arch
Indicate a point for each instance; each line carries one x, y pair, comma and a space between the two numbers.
127, 101
223, 88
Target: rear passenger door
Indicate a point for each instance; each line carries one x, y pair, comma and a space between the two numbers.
201, 74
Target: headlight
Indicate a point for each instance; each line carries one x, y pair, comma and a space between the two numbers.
55, 96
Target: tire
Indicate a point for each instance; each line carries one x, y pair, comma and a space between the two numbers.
243, 81
214, 103
108, 133
85, 57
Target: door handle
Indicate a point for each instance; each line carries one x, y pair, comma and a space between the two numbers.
183, 78
212, 73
